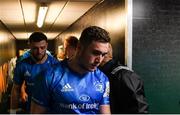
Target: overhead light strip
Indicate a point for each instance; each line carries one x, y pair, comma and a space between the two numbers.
58, 15
23, 17
4, 25
41, 15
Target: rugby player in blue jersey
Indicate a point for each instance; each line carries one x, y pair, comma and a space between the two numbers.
76, 86
28, 68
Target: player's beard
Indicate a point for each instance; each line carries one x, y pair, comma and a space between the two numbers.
41, 57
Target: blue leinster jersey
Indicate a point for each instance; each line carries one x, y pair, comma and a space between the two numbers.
28, 70
65, 91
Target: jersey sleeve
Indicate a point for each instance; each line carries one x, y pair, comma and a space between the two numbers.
105, 98
41, 90
44, 84
18, 74
137, 87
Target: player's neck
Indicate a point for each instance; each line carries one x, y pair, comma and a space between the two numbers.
43, 59
73, 64
40, 61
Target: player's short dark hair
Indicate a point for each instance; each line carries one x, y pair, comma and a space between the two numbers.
72, 41
94, 33
37, 37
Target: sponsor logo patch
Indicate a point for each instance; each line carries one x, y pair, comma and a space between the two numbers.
84, 98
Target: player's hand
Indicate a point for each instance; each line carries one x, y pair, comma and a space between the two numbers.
24, 97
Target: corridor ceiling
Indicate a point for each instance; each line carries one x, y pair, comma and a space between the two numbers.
20, 16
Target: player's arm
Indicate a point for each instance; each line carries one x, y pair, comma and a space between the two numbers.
37, 109
24, 95
141, 98
139, 93
15, 92
40, 101
105, 105
16, 88
105, 109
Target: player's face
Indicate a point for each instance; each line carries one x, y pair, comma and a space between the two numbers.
38, 49
91, 56
69, 50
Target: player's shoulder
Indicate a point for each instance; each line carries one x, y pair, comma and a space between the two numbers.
125, 72
23, 61
121, 68
100, 74
51, 58
55, 73
59, 66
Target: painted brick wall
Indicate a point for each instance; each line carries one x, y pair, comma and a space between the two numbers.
156, 52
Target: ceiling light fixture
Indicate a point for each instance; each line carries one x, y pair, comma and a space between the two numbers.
41, 15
